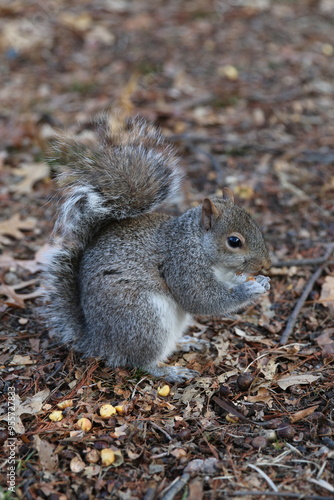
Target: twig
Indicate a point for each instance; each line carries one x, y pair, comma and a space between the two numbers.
177, 487
284, 494
264, 475
156, 426
150, 494
316, 275
300, 262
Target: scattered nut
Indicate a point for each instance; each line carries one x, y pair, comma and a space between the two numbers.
65, 404
286, 432
184, 435
77, 465
120, 409
93, 456
56, 416
107, 411
164, 390
224, 390
84, 424
229, 71
244, 381
231, 418
107, 457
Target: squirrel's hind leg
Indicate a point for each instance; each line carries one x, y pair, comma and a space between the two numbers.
170, 373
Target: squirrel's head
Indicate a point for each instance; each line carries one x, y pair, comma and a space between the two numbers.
235, 240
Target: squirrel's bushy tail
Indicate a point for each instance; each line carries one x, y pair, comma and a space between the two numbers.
128, 170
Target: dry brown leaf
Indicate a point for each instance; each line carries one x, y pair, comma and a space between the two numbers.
12, 227
267, 367
299, 415
21, 360
30, 406
119, 431
46, 452
262, 395
253, 338
31, 173
288, 380
15, 299
33, 266
327, 293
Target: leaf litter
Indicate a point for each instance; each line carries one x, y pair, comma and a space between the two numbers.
244, 109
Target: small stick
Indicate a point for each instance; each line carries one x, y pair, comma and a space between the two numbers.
177, 487
156, 426
300, 262
302, 299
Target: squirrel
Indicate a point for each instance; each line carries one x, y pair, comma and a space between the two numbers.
124, 281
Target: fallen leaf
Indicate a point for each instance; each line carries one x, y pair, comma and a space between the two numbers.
119, 431
327, 293
288, 380
326, 343
253, 338
21, 360
267, 367
263, 395
299, 415
31, 173
17, 299
33, 266
29, 407
12, 227
46, 452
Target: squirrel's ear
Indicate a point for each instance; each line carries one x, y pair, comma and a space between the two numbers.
209, 214
228, 195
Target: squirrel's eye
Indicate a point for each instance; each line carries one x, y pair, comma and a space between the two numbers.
234, 242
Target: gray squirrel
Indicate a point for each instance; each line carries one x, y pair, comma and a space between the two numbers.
124, 281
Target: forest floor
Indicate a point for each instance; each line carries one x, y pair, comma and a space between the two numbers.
244, 90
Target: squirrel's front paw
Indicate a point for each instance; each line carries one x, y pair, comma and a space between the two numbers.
259, 285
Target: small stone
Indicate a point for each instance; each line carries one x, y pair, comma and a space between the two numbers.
259, 442
325, 430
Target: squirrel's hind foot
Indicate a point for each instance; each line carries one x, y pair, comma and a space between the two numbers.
171, 373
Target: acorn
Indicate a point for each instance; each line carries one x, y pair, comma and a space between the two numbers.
286, 432
244, 381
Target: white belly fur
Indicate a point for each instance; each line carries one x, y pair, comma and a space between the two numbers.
174, 321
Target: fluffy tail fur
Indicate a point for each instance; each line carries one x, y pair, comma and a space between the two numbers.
128, 171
